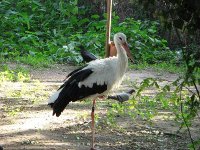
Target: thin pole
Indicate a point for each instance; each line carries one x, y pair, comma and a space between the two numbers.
108, 26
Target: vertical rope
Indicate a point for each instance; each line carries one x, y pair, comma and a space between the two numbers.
108, 26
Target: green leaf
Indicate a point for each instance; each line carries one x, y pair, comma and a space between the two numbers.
95, 17
75, 10
156, 84
166, 88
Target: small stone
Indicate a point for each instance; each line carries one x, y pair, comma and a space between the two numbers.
88, 144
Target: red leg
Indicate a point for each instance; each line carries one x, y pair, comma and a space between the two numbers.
93, 129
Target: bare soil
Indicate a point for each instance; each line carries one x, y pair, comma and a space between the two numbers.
34, 127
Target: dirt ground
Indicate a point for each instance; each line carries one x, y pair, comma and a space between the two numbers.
31, 125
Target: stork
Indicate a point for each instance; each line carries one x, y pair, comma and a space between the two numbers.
96, 79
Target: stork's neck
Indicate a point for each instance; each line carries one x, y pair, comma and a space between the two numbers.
122, 58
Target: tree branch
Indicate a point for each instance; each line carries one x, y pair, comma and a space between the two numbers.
185, 122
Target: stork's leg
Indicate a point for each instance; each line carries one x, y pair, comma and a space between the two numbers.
92, 126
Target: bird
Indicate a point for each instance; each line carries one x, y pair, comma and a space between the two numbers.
122, 97
87, 56
96, 79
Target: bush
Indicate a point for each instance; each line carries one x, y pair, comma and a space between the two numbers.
33, 28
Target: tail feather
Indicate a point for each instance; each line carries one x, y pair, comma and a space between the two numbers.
51, 105
59, 106
54, 97
57, 102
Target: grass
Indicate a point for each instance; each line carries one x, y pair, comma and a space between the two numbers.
11, 110
18, 92
163, 66
17, 74
169, 67
36, 62
13, 81
39, 61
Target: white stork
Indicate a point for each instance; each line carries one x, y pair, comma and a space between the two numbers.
95, 80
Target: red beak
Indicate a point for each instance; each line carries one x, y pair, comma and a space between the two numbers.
128, 52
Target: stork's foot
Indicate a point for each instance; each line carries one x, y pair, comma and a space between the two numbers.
92, 149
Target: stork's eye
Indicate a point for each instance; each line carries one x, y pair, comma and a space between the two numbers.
120, 38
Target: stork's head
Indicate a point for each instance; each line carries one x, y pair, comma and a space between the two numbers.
120, 38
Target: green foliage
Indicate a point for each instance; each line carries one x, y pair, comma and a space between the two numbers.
165, 97
67, 54
161, 67
182, 14
183, 17
34, 32
17, 74
29, 26
35, 60
146, 44
178, 98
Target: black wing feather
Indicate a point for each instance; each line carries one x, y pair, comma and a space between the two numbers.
87, 56
72, 92
73, 72
76, 70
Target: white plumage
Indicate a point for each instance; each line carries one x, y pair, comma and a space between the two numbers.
105, 71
